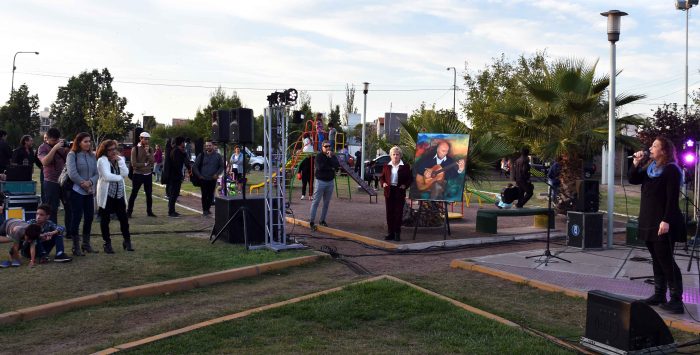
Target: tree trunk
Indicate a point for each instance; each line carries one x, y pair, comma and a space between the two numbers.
571, 171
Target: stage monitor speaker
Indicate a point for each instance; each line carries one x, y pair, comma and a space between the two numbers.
227, 206
587, 195
585, 230
220, 126
297, 117
242, 129
620, 325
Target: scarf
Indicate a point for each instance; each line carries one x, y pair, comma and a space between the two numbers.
654, 171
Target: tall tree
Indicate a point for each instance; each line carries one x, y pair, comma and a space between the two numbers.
349, 106
20, 116
496, 85
564, 114
88, 103
669, 121
218, 99
334, 118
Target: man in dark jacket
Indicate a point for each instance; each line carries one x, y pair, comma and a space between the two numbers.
325, 166
208, 167
24, 154
5, 152
178, 160
521, 175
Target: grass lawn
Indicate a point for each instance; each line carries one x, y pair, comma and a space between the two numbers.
377, 317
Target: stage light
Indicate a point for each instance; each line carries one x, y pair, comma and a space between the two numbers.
688, 155
688, 158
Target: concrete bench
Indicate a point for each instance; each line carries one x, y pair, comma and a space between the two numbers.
487, 220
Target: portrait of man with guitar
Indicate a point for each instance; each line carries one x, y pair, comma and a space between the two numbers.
435, 170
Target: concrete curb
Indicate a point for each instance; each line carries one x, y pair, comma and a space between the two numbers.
137, 343
158, 288
670, 320
343, 234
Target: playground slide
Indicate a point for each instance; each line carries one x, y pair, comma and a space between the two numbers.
351, 173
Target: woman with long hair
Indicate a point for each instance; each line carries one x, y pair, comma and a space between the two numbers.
82, 170
111, 194
661, 223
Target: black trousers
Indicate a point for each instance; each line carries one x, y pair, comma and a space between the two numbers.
173, 194
147, 182
666, 270
394, 208
208, 187
304, 183
114, 205
525, 191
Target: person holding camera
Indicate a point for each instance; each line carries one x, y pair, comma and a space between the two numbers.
325, 166
52, 154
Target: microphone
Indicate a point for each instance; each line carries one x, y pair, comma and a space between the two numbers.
645, 154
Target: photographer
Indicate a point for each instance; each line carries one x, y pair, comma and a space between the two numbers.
53, 155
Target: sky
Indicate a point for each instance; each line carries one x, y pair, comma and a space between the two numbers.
168, 56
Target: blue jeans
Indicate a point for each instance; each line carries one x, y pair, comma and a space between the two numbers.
44, 248
322, 189
55, 195
83, 206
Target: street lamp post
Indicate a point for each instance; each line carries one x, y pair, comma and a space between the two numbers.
364, 120
454, 90
613, 36
14, 67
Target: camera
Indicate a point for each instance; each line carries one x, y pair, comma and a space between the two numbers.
66, 144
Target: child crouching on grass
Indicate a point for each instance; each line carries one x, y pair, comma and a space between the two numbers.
23, 236
507, 197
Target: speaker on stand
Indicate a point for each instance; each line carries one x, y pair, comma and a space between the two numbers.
587, 195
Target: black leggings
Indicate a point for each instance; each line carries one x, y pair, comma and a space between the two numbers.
118, 206
665, 267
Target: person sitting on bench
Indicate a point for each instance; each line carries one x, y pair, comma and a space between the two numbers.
507, 197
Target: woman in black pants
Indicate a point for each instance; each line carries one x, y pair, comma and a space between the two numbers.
111, 192
661, 223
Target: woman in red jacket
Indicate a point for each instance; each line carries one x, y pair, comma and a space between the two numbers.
395, 179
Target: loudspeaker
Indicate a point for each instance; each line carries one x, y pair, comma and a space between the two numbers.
620, 325
137, 133
587, 195
297, 117
220, 126
585, 230
242, 126
198, 147
226, 206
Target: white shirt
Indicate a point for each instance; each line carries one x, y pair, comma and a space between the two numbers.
438, 160
395, 172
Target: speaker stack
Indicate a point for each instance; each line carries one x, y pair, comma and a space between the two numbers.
227, 206
236, 126
587, 195
585, 225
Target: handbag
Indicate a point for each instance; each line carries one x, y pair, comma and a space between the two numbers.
194, 179
64, 179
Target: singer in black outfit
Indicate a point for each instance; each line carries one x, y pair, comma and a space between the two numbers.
661, 223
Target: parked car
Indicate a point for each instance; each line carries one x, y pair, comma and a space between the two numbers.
256, 162
376, 165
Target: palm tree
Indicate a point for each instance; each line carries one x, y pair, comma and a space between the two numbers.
565, 115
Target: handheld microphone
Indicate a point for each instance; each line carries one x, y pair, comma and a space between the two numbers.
645, 155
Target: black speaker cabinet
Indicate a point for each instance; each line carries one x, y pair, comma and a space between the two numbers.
242, 128
297, 116
585, 230
221, 126
587, 195
227, 206
620, 325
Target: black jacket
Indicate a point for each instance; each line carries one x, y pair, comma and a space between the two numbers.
20, 154
659, 203
521, 170
305, 168
325, 167
178, 160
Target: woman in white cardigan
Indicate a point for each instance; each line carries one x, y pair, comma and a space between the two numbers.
111, 192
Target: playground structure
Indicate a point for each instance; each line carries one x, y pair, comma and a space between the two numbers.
296, 155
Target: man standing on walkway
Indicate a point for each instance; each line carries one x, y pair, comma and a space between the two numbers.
325, 166
208, 167
53, 154
142, 161
521, 175
177, 163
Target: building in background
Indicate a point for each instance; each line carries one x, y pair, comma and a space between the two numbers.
180, 121
44, 122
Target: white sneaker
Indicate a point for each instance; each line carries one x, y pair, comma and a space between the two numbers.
302, 197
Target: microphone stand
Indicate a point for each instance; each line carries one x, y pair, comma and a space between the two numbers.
550, 214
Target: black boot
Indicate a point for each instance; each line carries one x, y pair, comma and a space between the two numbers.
108, 247
675, 305
389, 236
397, 236
659, 296
76, 246
127, 244
86, 247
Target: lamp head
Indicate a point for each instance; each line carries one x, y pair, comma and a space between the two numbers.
613, 24
366, 89
37, 53
685, 4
